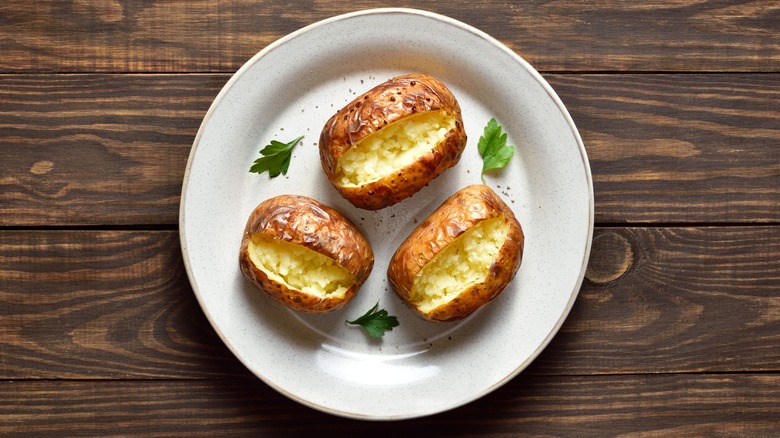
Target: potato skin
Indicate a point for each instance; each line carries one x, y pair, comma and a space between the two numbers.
306, 222
455, 216
399, 97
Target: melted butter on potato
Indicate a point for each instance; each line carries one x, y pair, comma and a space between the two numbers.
464, 262
392, 148
299, 267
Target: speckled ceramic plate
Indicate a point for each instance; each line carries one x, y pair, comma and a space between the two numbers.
291, 88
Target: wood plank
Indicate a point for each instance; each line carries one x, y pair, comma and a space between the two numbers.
679, 148
653, 405
111, 149
115, 304
97, 149
94, 305
183, 36
700, 299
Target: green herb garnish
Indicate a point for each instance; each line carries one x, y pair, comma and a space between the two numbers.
376, 322
275, 159
493, 148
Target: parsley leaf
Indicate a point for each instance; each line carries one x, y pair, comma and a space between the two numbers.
275, 159
493, 148
376, 322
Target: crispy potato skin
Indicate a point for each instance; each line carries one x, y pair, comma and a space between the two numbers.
306, 222
386, 103
455, 216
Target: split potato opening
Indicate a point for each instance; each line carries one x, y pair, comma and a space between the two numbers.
462, 264
299, 268
304, 254
391, 141
460, 257
392, 148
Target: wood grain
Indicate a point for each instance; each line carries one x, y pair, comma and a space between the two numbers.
676, 331
111, 149
652, 405
697, 299
95, 305
91, 304
157, 36
679, 148
97, 149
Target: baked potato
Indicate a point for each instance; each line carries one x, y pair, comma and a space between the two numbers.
391, 141
304, 254
459, 258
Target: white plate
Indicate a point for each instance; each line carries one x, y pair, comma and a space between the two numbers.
291, 88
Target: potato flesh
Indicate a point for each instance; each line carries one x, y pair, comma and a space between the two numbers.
393, 147
463, 263
299, 268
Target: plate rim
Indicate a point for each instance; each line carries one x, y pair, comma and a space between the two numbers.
464, 27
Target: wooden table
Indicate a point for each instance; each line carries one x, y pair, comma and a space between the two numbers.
676, 331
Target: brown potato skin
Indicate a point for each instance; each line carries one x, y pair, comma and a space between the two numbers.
455, 216
306, 222
399, 97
